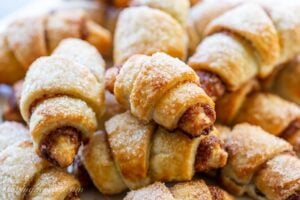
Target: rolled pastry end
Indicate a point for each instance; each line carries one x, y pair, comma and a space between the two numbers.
211, 84
197, 120
60, 146
110, 78
58, 130
210, 153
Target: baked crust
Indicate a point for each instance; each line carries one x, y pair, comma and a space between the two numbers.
178, 9
256, 37
228, 107
130, 144
23, 174
249, 147
193, 190
155, 191
43, 33
227, 56
175, 148
143, 30
11, 70
62, 100
136, 154
166, 90
286, 81
268, 111
254, 29
32, 31
11, 133
102, 170
280, 177
65, 185
196, 189
16, 160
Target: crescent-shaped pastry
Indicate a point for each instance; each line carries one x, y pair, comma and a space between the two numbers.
43, 33
24, 175
260, 164
62, 100
135, 154
144, 30
163, 89
238, 40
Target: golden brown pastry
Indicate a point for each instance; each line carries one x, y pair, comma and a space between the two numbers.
241, 40
62, 100
269, 111
194, 2
11, 108
93, 8
133, 154
260, 164
178, 9
286, 81
24, 175
192, 190
111, 108
274, 114
42, 34
10, 68
145, 30
163, 89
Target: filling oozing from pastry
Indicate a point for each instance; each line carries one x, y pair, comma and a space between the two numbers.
210, 154
197, 120
211, 84
61, 145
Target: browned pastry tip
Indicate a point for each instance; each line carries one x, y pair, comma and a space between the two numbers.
110, 78
292, 135
98, 37
60, 146
197, 120
192, 121
211, 84
210, 153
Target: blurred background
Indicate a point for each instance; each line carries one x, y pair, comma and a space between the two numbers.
9, 6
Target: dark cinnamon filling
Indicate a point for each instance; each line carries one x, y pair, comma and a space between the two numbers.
211, 84
197, 120
293, 127
204, 152
80, 173
258, 192
295, 196
72, 196
205, 159
48, 146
